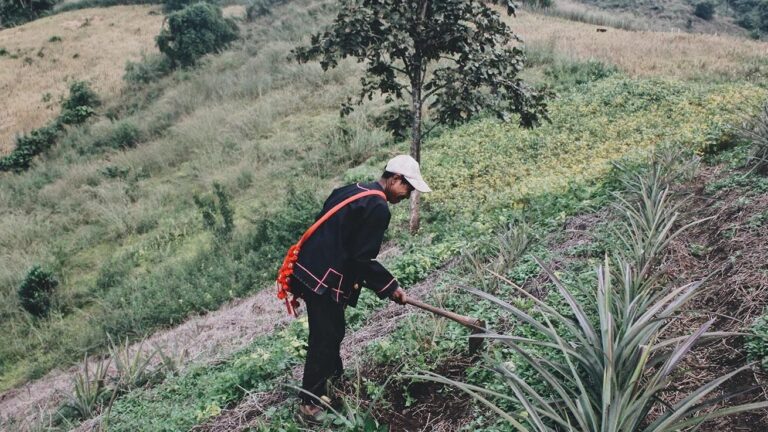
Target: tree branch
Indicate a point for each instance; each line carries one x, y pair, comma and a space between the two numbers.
435, 90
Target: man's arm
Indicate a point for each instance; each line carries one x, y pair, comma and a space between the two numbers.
366, 246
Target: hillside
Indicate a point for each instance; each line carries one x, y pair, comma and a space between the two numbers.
40, 58
122, 229
666, 15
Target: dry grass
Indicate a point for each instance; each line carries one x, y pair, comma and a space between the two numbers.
95, 45
645, 53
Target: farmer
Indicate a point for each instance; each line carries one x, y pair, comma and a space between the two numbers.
337, 260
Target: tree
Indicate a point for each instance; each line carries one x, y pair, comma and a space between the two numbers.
455, 56
194, 31
704, 10
14, 12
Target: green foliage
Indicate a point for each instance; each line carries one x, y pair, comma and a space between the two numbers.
203, 391
90, 391
124, 135
177, 5
567, 75
218, 216
29, 146
80, 105
755, 131
757, 344
86, 4
704, 10
37, 290
54, 38
751, 14
151, 68
400, 41
194, 31
15, 12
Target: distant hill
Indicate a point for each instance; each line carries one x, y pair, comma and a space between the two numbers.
735, 17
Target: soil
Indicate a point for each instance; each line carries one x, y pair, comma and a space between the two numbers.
730, 253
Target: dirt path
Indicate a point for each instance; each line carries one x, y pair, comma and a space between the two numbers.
200, 339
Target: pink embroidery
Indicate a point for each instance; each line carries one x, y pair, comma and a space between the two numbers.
325, 276
386, 286
313, 276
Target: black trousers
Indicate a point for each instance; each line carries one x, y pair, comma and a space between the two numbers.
326, 331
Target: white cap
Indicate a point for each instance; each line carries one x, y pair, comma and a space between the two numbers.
408, 168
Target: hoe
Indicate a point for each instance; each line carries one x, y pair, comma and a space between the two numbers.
477, 325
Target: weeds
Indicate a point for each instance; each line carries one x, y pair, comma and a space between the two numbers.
756, 132
90, 391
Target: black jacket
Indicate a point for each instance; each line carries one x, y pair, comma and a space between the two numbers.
340, 256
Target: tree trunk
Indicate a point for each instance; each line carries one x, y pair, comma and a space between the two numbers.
416, 106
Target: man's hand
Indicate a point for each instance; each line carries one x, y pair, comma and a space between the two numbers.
399, 296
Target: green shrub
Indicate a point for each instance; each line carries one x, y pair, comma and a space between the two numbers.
149, 69
757, 344
36, 291
124, 135
566, 74
704, 10
218, 216
177, 5
15, 12
195, 31
80, 105
54, 39
28, 146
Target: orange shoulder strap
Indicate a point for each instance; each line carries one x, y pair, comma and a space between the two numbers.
286, 270
336, 208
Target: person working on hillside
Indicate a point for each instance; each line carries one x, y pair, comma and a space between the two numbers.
340, 257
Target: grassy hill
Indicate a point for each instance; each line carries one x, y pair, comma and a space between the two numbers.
120, 229
41, 58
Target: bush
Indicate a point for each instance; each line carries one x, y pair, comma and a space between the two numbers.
195, 31
218, 216
80, 105
28, 146
36, 291
176, 5
124, 135
757, 345
705, 10
15, 12
567, 74
149, 69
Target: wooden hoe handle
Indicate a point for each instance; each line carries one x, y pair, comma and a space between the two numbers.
473, 323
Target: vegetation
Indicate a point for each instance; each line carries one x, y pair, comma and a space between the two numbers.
123, 212
76, 109
13, 12
704, 10
607, 375
36, 292
80, 105
453, 56
194, 31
